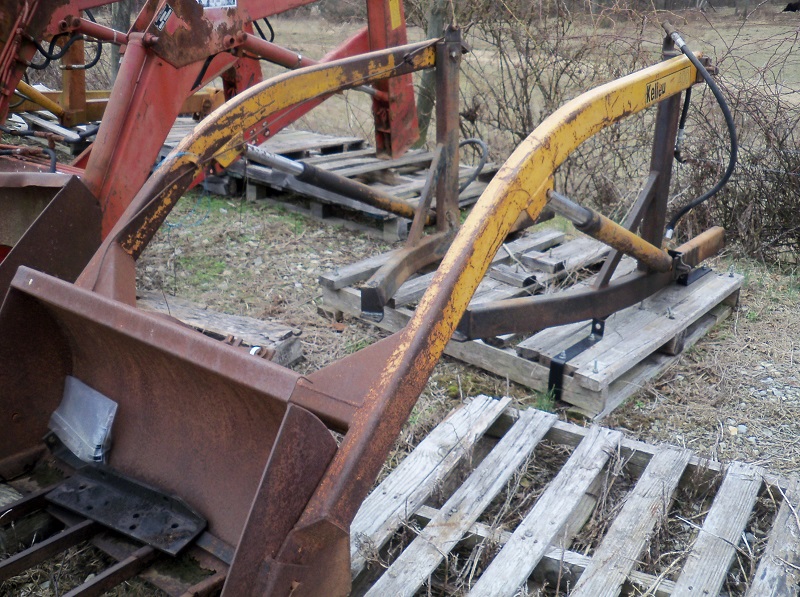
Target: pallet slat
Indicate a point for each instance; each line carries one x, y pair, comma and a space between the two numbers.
671, 311
540, 529
278, 337
715, 547
116, 574
615, 558
609, 569
405, 490
778, 574
425, 553
413, 290
39, 552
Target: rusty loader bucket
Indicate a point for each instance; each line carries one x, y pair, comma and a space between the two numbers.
240, 449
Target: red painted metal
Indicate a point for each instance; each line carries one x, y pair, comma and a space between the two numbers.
161, 66
396, 126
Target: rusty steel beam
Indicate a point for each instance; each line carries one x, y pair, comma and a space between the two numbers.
331, 181
618, 237
215, 405
518, 186
534, 313
382, 285
222, 137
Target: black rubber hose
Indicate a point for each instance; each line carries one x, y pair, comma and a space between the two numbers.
199, 80
99, 52
52, 155
49, 55
682, 125
46, 150
734, 149
93, 62
82, 136
261, 33
481, 164
17, 132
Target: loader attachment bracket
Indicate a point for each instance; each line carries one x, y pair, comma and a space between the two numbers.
130, 508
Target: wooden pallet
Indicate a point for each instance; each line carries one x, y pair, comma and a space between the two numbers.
499, 441
639, 342
347, 156
281, 341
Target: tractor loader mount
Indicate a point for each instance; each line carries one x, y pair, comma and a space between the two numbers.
232, 457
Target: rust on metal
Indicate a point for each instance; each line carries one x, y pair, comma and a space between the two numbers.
243, 441
381, 286
535, 313
626, 242
245, 113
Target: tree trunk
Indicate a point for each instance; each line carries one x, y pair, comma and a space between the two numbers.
426, 98
121, 21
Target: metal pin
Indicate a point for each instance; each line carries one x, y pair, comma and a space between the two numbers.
594, 367
670, 315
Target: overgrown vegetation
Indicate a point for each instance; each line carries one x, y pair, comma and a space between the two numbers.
528, 59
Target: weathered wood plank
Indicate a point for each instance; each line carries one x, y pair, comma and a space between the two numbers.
405, 490
528, 544
637, 335
282, 181
501, 361
593, 397
542, 262
330, 160
254, 332
649, 501
778, 573
422, 557
413, 290
293, 141
514, 274
576, 254
655, 364
419, 158
355, 272
556, 561
715, 547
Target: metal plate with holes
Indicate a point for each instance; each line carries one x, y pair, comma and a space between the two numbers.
128, 507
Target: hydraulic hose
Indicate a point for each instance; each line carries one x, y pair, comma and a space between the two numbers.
27, 151
98, 52
49, 54
261, 32
682, 125
481, 164
734, 149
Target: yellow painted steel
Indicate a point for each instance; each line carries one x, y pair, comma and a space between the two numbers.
627, 242
220, 136
521, 184
37, 97
203, 102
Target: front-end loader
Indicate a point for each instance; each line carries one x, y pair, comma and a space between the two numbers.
258, 469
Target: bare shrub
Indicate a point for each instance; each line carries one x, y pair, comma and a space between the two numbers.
529, 59
760, 206
527, 63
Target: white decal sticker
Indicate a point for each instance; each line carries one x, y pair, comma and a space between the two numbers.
163, 17
217, 3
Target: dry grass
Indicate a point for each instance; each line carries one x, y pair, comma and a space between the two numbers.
744, 373
253, 259
68, 570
